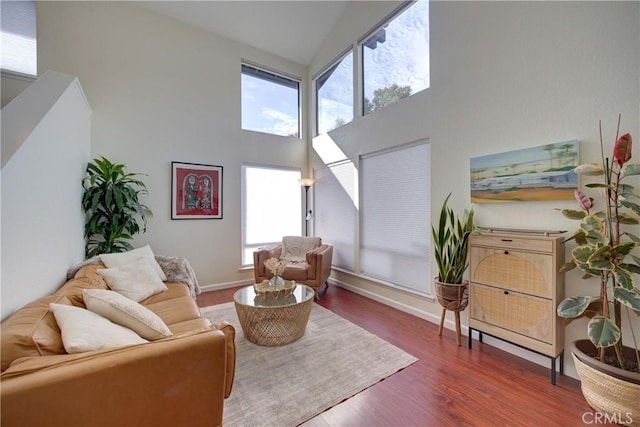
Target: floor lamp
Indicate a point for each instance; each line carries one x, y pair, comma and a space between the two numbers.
306, 183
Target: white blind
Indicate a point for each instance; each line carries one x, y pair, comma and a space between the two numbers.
18, 37
271, 207
396, 218
336, 201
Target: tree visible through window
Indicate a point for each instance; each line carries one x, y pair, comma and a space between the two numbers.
395, 58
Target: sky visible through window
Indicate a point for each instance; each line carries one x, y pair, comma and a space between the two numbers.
269, 107
401, 58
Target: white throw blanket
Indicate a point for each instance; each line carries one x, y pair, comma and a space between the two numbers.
177, 269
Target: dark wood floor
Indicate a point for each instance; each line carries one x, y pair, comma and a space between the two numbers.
449, 385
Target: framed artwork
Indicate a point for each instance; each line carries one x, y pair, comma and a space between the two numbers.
531, 174
196, 191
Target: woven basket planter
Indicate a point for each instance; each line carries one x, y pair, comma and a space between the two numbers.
453, 297
608, 389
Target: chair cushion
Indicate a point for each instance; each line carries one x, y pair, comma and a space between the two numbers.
294, 248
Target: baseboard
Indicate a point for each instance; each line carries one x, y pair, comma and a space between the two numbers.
225, 285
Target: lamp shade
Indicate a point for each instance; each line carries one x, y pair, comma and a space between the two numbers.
306, 182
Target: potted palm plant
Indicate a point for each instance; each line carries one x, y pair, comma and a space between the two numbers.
451, 249
111, 202
606, 250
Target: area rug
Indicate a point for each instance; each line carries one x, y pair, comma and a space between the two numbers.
287, 385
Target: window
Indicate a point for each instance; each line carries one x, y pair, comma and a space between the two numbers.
334, 95
395, 57
395, 226
19, 54
270, 102
271, 207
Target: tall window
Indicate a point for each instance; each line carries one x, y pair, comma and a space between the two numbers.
18, 37
395, 57
271, 207
395, 225
334, 95
270, 102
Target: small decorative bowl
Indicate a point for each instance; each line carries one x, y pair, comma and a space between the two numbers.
265, 289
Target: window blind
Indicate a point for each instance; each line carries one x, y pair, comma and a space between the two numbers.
18, 37
395, 234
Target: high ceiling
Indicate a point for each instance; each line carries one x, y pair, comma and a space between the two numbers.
291, 29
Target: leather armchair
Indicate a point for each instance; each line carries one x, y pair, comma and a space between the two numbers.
313, 268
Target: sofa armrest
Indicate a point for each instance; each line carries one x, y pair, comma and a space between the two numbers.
260, 256
168, 382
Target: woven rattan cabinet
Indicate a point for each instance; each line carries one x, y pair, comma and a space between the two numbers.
514, 290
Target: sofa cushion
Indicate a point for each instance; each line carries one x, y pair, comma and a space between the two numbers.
123, 311
83, 330
175, 310
136, 280
123, 258
31, 331
294, 248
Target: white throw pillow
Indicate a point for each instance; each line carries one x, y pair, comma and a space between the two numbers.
295, 248
83, 330
121, 310
136, 280
122, 258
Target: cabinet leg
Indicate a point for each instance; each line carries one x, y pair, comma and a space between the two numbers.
553, 371
562, 362
470, 338
444, 311
458, 332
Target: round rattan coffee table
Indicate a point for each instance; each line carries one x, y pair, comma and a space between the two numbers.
273, 320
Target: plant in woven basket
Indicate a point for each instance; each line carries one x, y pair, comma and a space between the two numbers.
111, 201
451, 242
606, 249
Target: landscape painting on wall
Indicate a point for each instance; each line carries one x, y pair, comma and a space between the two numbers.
531, 174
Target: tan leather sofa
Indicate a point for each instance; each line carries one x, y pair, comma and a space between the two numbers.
311, 267
181, 380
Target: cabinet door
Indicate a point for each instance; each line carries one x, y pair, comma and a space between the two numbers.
526, 315
530, 273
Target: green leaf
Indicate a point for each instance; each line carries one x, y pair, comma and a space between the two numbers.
630, 205
630, 169
574, 306
589, 169
573, 213
627, 297
623, 278
599, 185
568, 266
602, 265
623, 249
582, 253
627, 219
632, 268
603, 332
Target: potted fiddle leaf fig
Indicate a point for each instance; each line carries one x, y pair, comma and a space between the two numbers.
451, 249
607, 251
111, 202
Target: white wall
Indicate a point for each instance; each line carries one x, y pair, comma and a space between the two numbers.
164, 91
504, 75
42, 221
